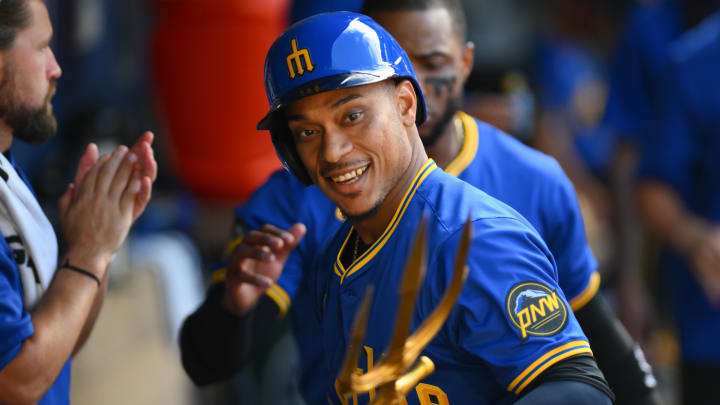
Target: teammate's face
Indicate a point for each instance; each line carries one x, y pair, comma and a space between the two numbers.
354, 142
442, 62
29, 76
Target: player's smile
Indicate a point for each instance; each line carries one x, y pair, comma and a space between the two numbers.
349, 183
349, 176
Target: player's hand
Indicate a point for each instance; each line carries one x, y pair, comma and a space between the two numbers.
705, 257
96, 215
146, 156
256, 264
145, 163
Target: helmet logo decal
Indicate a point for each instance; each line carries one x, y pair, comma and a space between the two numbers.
296, 57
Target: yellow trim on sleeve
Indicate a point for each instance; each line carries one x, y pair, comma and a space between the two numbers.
218, 276
281, 291
275, 292
545, 357
563, 356
421, 175
282, 300
469, 147
230, 248
587, 294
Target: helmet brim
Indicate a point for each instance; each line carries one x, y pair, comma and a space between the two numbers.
336, 82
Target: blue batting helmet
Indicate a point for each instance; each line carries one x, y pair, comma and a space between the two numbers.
325, 52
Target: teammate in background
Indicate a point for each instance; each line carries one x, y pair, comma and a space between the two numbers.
47, 309
679, 198
349, 127
530, 182
636, 77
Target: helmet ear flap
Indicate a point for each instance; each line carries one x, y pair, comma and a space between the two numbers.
285, 148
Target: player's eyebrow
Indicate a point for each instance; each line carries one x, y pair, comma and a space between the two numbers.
296, 117
432, 54
45, 41
346, 99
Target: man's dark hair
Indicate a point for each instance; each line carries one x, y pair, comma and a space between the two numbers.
454, 7
14, 16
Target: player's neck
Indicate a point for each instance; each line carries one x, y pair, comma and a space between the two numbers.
448, 146
6, 137
371, 228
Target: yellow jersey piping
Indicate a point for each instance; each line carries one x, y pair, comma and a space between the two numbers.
218, 276
469, 147
340, 270
547, 360
230, 248
587, 294
281, 298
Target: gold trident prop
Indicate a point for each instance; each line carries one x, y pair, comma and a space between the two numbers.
399, 369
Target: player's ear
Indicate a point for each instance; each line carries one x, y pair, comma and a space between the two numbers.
3, 61
406, 102
468, 59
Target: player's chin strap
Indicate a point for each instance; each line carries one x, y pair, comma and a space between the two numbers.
400, 370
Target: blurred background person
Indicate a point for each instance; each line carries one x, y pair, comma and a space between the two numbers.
637, 74
49, 306
679, 198
103, 98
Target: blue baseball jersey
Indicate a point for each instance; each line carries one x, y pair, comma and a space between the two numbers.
534, 185
510, 322
15, 323
684, 155
637, 69
491, 160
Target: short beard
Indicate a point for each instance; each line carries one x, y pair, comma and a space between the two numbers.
454, 104
32, 125
363, 216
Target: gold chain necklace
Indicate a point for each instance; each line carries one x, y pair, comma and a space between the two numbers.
356, 247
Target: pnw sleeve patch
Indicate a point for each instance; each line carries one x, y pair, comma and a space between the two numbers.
534, 309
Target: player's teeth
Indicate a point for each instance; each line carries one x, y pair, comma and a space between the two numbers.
350, 175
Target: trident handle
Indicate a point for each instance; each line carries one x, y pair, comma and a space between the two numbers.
398, 371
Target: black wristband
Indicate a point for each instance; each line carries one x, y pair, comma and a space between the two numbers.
69, 266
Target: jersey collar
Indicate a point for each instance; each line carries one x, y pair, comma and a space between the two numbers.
340, 270
469, 147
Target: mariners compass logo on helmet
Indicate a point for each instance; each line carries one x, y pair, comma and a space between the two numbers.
535, 309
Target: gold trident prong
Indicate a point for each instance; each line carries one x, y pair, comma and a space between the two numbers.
399, 369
